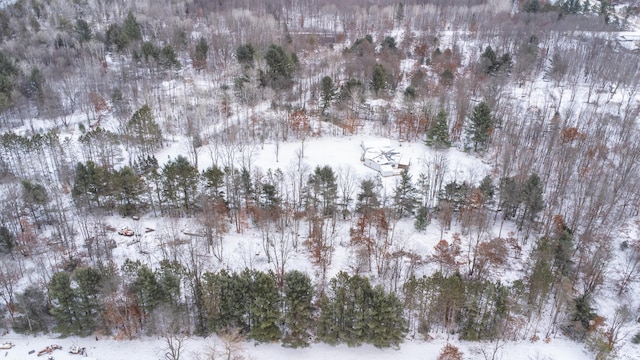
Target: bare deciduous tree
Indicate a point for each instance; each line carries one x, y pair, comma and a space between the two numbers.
174, 346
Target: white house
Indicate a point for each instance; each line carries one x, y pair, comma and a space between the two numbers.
380, 156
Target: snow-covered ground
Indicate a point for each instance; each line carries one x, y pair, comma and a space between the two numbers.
197, 348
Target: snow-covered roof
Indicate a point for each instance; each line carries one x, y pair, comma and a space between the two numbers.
382, 154
375, 144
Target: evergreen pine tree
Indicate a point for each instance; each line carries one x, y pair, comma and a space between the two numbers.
147, 289
335, 324
115, 36
605, 10
532, 6
323, 191
539, 283
456, 194
386, 326
489, 60
265, 311
532, 199
367, 198
63, 304
405, 199
564, 247
379, 79
131, 28
169, 277
329, 321
145, 131
328, 93
91, 184
487, 190
35, 197
571, 6
127, 188
450, 298
245, 55
509, 197
8, 75
7, 239
83, 30
213, 180
228, 301
88, 303
422, 219
168, 58
582, 315
180, 183
438, 133
280, 67
359, 303
200, 55
298, 321
354, 313
246, 185
481, 126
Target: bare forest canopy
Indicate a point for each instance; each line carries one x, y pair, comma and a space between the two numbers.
544, 94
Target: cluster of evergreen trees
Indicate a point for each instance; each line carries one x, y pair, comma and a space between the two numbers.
476, 309
137, 299
603, 8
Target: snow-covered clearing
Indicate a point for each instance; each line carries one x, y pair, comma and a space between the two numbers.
195, 348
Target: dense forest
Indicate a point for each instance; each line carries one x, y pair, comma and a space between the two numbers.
109, 109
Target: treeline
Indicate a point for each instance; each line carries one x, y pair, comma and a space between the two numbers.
137, 300
181, 297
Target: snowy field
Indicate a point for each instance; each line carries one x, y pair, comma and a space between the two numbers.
153, 349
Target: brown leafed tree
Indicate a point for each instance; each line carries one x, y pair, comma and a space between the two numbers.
27, 240
410, 126
98, 105
489, 255
299, 123
9, 277
319, 244
214, 220
122, 315
450, 352
370, 238
446, 255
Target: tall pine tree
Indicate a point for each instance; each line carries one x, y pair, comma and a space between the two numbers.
180, 183
88, 283
531, 198
145, 131
328, 93
405, 197
63, 304
438, 133
387, 326
297, 321
481, 126
265, 310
